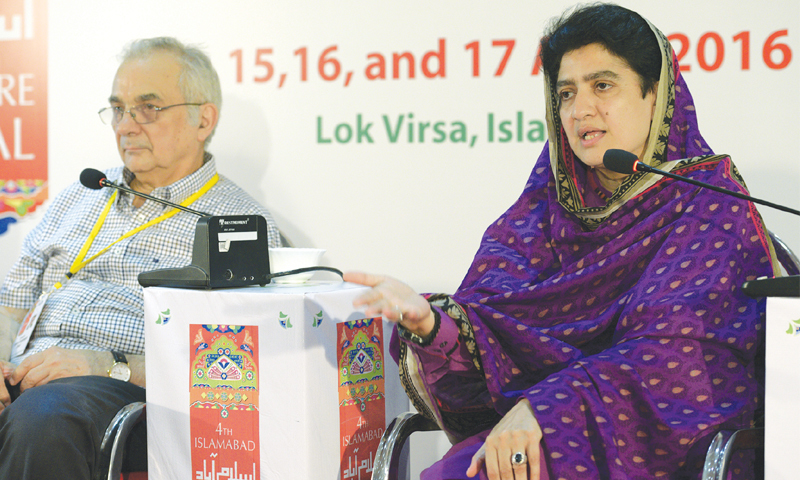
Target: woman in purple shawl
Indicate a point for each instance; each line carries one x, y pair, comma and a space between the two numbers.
601, 331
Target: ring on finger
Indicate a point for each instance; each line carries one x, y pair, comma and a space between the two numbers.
399, 313
519, 458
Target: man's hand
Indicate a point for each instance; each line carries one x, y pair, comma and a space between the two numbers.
5, 398
56, 362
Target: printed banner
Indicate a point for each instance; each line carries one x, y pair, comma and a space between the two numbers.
23, 103
362, 398
223, 408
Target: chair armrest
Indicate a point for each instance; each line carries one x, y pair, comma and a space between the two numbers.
113, 444
786, 256
387, 458
722, 446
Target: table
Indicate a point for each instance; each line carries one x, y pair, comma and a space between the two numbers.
278, 382
781, 422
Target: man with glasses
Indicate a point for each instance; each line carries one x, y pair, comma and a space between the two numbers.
79, 356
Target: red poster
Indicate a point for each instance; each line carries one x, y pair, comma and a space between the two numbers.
23, 108
223, 409
362, 395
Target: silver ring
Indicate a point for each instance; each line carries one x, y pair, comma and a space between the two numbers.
399, 313
519, 458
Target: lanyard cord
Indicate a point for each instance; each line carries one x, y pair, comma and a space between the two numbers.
79, 263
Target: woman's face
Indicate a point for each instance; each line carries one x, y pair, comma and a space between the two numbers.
602, 105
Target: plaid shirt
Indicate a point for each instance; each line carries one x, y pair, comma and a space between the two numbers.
101, 307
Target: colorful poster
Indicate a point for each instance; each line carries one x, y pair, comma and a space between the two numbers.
223, 408
362, 398
23, 103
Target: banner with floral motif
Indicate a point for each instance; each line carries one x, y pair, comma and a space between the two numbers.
362, 395
223, 406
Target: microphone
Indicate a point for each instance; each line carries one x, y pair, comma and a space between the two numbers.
95, 179
228, 251
91, 178
621, 161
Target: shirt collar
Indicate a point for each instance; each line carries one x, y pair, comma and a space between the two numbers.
183, 188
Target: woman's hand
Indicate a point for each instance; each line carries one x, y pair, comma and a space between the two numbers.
395, 300
518, 431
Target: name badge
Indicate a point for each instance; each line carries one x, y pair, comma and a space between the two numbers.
28, 324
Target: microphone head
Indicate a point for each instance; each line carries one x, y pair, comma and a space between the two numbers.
620, 161
91, 178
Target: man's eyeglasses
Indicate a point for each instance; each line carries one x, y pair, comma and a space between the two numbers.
141, 114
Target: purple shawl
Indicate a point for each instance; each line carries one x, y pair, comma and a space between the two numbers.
624, 325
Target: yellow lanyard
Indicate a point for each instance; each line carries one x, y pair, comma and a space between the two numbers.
79, 263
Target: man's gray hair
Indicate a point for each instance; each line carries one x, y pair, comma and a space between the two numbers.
198, 80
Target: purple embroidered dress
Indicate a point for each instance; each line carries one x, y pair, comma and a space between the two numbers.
621, 320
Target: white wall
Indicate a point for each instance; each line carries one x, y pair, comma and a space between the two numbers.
414, 210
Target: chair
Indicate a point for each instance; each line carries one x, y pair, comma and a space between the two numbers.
113, 444
723, 446
787, 258
720, 452
387, 462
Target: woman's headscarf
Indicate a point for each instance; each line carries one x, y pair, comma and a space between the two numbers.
674, 137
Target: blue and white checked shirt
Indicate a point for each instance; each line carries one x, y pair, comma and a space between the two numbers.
101, 307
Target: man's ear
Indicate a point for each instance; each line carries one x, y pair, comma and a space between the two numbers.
208, 120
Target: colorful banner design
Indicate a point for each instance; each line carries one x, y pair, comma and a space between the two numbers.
23, 107
223, 402
362, 395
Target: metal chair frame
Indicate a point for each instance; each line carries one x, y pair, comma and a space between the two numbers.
113, 445
723, 446
389, 458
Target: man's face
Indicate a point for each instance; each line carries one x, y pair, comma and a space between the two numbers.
170, 148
